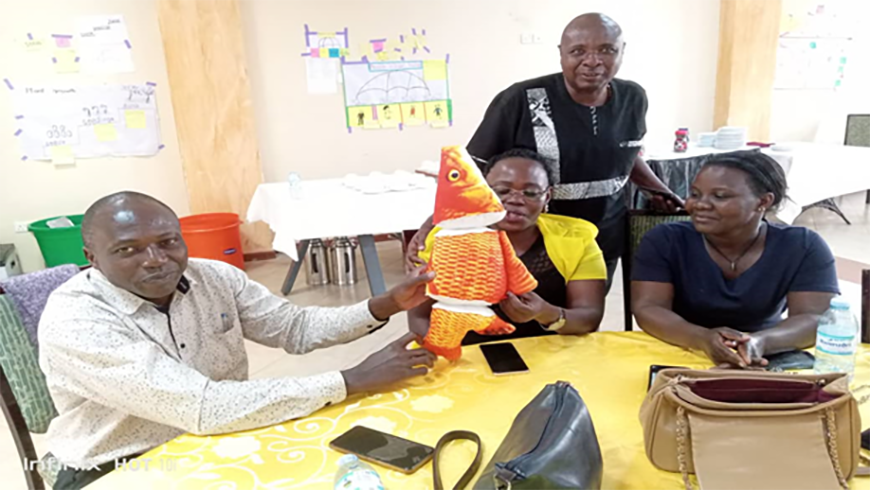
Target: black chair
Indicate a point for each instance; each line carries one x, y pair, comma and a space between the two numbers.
637, 224
865, 306
858, 134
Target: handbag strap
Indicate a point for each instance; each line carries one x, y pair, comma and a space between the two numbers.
831, 437
466, 477
682, 442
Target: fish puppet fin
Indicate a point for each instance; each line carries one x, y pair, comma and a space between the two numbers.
520, 280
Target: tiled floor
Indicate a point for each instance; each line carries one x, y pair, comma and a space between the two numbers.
847, 242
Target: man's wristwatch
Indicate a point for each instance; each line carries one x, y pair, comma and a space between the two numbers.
558, 323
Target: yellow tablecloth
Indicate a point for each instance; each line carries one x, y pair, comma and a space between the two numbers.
608, 369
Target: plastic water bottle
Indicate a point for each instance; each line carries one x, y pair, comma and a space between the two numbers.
295, 182
837, 340
353, 474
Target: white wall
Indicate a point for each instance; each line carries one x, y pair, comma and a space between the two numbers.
672, 52
672, 49
33, 190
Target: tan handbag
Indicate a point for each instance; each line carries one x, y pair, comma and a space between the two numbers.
751, 429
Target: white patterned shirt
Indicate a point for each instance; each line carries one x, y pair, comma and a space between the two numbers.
126, 377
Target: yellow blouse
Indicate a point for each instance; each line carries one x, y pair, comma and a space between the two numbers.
570, 243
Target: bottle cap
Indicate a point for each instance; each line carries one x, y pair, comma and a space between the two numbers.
839, 303
348, 460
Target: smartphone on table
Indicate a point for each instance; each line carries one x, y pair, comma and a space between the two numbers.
383, 449
790, 360
503, 359
654, 370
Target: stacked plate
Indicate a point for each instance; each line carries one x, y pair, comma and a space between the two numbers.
380, 183
730, 138
706, 140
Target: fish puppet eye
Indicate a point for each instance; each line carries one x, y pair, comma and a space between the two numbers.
453, 176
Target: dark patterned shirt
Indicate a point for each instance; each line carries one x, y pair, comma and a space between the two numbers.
592, 148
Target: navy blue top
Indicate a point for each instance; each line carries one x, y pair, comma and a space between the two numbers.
794, 259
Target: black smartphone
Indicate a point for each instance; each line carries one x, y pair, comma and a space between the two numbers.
865, 439
503, 359
654, 370
383, 449
650, 193
793, 359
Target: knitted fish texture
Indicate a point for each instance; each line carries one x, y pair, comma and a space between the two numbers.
475, 266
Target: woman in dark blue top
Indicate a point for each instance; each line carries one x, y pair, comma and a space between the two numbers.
721, 283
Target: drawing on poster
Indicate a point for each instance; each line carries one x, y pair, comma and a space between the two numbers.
811, 64
326, 44
399, 82
814, 45
104, 44
390, 82
387, 81
92, 121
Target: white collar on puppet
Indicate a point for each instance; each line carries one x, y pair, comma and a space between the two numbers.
474, 221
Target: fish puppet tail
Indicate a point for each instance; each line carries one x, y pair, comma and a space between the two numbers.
449, 324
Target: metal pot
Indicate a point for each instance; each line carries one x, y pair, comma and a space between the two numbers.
342, 262
317, 265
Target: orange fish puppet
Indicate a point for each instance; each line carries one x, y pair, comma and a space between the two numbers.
475, 266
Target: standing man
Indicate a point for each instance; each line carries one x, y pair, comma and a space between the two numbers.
588, 123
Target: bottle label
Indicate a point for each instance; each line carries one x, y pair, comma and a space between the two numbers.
837, 345
360, 480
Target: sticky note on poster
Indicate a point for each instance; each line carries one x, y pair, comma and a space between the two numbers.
438, 113
361, 117
390, 115
106, 132
62, 41
434, 70
61, 155
365, 49
414, 114
66, 61
135, 119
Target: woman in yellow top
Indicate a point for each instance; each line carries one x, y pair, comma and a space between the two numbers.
559, 251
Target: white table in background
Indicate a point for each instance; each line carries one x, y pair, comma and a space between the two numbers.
692, 152
819, 172
327, 208
816, 172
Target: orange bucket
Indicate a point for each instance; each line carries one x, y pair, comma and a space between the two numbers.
214, 236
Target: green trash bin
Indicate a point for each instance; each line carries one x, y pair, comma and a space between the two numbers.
60, 245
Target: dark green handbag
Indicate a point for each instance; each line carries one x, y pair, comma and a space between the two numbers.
551, 444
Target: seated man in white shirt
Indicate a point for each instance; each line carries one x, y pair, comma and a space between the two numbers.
148, 345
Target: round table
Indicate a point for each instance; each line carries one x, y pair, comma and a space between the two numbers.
609, 369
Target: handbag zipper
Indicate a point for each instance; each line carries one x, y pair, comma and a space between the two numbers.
561, 388
680, 379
